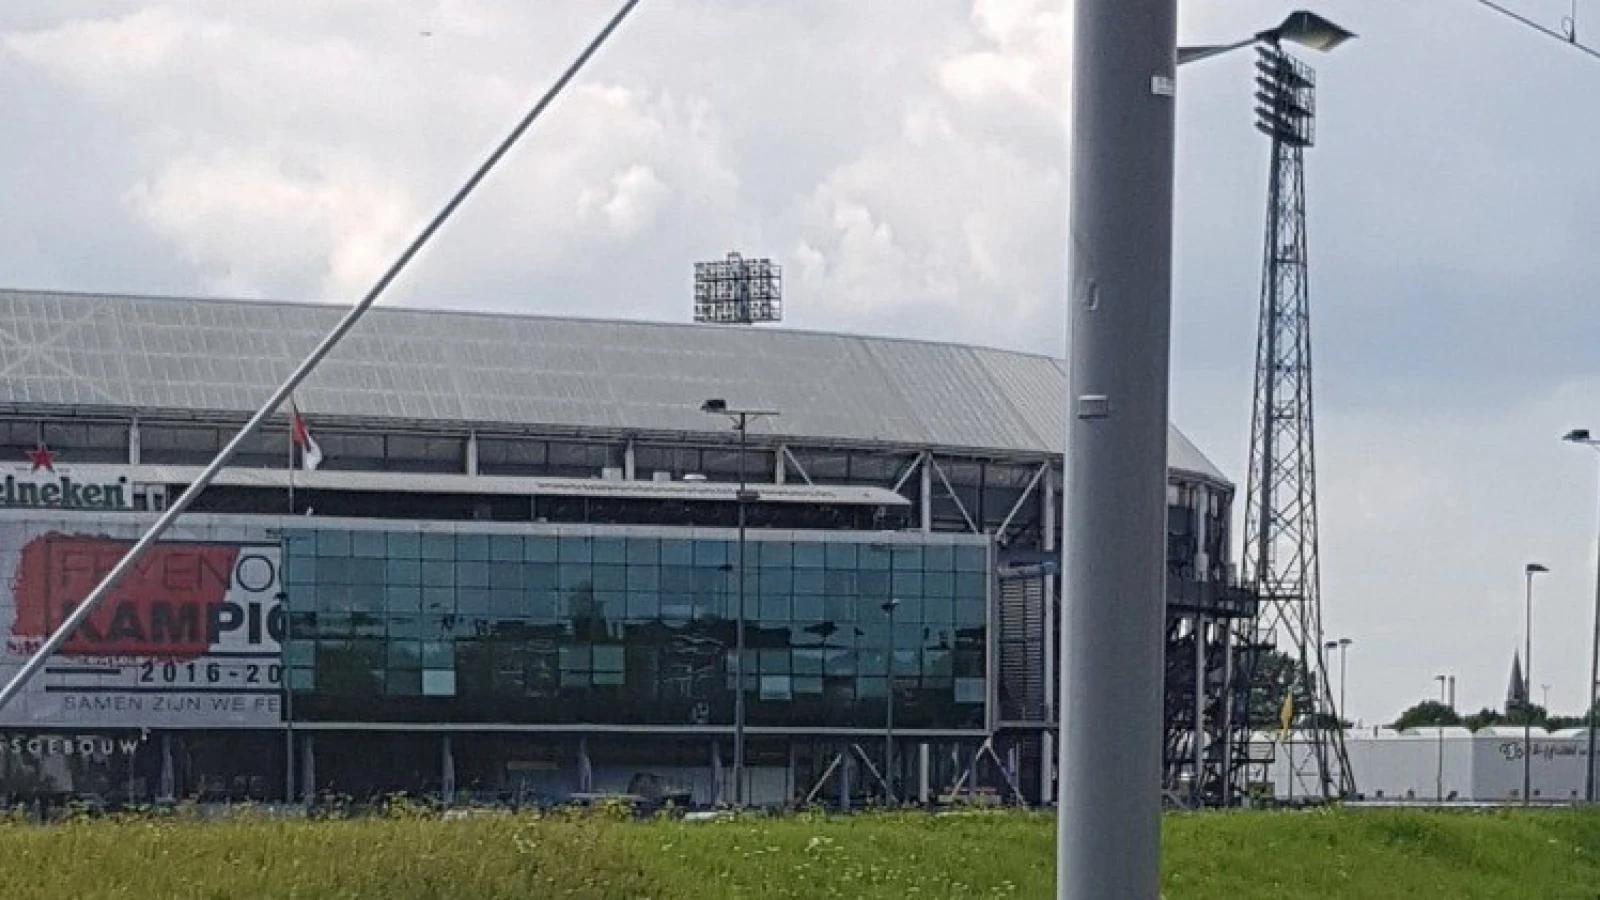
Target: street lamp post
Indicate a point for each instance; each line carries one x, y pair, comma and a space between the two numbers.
889, 606
1581, 436
1530, 570
1438, 777
741, 422
1108, 840
1343, 646
1344, 667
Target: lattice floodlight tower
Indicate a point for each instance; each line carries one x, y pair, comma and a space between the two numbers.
738, 291
1280, 555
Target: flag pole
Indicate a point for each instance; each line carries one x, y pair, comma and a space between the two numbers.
87, 607
294, 414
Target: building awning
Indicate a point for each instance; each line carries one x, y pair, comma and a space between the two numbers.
616, 489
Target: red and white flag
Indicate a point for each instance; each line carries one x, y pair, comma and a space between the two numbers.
310, 453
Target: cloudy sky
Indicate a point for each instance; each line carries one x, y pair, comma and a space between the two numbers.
906, 160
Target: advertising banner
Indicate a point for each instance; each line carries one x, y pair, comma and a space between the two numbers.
44, 485
188, 639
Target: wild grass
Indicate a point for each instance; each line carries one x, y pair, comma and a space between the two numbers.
1344, 854
1385, 854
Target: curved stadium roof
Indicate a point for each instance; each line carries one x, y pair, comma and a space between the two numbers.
225, 356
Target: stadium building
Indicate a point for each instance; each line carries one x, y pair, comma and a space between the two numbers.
513, 574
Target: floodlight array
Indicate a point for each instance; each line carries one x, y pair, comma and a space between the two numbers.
738, 291
1286, 103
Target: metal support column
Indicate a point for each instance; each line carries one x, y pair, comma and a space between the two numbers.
792, 784
739, 686
846, 765
1052, 648
1231, 769
308, 769
924, 754
1113, 591
168, 787
719, 790
927, 492
447, 772
1594, 681
1198, 749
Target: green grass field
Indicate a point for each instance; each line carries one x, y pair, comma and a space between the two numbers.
1380, 854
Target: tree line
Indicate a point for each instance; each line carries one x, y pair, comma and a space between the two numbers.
1278, 674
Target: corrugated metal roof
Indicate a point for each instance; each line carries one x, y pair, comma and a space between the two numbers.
225, 356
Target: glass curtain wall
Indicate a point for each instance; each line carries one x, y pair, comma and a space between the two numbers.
613, 629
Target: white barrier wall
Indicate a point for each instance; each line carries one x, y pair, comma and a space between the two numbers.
1556, 769
1483, 767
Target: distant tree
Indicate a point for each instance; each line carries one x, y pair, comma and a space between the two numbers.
1428, 713
1556, 723
1531, 713
1276, 674
1534, 715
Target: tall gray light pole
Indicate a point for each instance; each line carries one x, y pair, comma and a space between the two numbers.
741, 422
1344, 669
1581, 436
1108, 839
1343, 646
1108, 842
1530, 570
1438, 776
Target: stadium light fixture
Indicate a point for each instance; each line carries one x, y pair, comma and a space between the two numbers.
1581, 436
738, 291
717, 406
1108, 840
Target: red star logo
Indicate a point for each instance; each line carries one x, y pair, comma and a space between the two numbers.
42, 458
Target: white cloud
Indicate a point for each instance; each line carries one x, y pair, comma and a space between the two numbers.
108, 56
1024, 56
251, 220
631, 203
943, 224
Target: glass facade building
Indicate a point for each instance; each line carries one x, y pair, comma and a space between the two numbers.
637, 626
